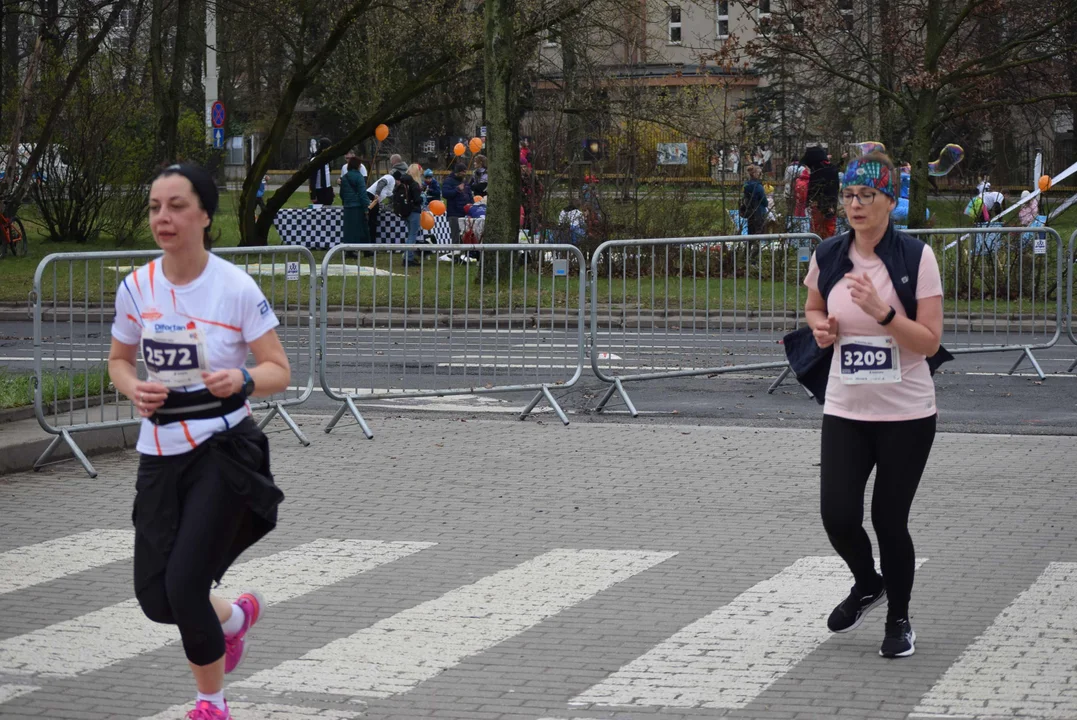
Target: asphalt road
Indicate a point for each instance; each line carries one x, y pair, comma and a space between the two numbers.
975, 392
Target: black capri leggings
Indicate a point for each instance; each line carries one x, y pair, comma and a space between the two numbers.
898, 451
209, 519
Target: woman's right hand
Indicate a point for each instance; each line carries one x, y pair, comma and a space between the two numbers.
826, 332
148, 396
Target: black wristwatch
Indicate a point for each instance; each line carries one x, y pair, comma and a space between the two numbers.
248, 382
889, 316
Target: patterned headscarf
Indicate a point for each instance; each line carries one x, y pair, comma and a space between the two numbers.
870, 173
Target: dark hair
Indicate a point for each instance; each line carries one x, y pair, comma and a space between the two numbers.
459, 167
480, 160
205, 189
353, 163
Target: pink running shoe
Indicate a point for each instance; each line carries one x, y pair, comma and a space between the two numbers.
205, 710
235, 647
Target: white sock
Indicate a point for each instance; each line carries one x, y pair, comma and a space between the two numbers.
235, 623
216, 698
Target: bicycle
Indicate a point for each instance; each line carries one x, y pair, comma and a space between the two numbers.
12, 237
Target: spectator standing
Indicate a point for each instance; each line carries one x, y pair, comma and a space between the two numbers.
525, 153
321, 184
480, 177
380, 193
354, 198
792, 172
259, 198
822, 192
457, 194
1028, 212
408, 202
753, 205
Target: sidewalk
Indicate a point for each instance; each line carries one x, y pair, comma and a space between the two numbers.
22, 442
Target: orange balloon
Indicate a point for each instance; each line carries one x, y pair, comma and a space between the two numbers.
1045, 183
459, 149
475, 145
426, 221
437, 207
381, 132
478, 198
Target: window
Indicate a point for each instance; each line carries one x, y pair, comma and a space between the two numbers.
675, 25
552, 37
123, 22
764, 17
845, 7
722, 11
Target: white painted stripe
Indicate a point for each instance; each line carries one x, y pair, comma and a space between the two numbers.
1028, 375
118, 632
728, 657
264, 711
1024, 664
399, 652
10, 692
567, 365
35, 564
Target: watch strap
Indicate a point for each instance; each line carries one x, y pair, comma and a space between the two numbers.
248, 382
889, 316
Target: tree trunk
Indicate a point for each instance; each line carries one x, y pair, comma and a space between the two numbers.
13, 199
168, 82
502, 122
923, 127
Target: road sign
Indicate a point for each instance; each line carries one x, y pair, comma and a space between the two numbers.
218, 137
217, 114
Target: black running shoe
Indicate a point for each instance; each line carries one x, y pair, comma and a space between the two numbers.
900, 640
851, 611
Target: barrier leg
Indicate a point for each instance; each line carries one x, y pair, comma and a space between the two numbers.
292, 425
619, 388
1027, 353
269, 416
1074, 365
65, 437
545, 392
781, 378
349, 406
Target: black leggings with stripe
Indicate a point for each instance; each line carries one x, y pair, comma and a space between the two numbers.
898, 451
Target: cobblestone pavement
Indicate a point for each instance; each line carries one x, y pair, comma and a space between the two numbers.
482, 569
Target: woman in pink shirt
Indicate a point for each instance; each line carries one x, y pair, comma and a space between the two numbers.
879, 407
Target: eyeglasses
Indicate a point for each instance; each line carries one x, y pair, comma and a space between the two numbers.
865, 198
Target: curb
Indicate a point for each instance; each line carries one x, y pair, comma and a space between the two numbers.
20, 457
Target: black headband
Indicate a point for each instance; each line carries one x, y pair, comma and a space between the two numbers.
204, 186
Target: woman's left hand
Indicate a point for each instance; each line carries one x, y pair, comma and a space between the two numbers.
867, 297
224, 383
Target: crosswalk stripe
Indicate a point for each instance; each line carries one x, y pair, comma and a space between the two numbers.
1024, 664
730, 656
399, 652
10, 692
265, 711
118, 632
31, 565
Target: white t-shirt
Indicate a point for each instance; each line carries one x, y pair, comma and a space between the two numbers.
224, 303
344, 171
387, 188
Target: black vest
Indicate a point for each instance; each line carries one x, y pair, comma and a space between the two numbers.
901, 255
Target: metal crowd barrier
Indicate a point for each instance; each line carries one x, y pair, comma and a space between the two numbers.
73, 301
1002, 289
1070, 261
682, 307
461, 320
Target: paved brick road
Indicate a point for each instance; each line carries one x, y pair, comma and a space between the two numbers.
494, 569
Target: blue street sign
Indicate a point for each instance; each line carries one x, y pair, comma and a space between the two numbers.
218, 137
217, 114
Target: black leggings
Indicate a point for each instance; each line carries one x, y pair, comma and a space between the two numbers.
899, 452
210, 517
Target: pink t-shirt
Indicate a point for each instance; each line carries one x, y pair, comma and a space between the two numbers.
914, 397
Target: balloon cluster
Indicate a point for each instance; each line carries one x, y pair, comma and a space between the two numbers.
474, 145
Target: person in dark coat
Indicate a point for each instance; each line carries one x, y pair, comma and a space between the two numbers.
823, 188
431, 187
354, 198
753, 206
457, 195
